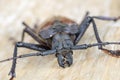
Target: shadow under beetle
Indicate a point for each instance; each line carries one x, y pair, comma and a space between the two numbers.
60, 36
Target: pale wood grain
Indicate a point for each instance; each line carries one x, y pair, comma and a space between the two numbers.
90, 64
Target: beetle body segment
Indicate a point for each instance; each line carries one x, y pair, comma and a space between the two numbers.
61, 34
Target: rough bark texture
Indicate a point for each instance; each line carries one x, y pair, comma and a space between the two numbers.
90, 64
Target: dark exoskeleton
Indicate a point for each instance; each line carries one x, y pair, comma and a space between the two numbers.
60, 36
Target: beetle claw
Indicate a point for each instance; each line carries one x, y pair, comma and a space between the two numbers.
114, 53
12, 78
12, 75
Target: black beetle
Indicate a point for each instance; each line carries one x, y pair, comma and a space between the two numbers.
60, 36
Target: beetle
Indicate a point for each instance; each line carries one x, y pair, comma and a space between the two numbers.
60, 36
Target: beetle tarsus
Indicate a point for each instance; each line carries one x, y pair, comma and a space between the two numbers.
12, 78
114, 53
12, 75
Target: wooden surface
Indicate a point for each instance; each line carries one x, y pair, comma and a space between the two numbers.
90, 64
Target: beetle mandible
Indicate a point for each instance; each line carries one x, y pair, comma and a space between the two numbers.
60, 36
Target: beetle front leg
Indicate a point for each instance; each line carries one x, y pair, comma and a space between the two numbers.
114, 53
12, 71
26, 45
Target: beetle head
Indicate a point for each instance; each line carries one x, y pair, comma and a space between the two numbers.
65, 58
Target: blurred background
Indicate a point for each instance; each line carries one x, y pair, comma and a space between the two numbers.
90, 64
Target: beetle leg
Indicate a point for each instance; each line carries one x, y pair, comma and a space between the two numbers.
12, 71
27, 30
86, 22
83, 27
26, 45
106, 18
110, 52
114, 53
31, 46
31, 32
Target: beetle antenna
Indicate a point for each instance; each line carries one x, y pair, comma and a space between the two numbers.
7, 60
25, 24
21, 56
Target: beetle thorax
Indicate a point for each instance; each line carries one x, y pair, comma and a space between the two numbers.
61, 41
